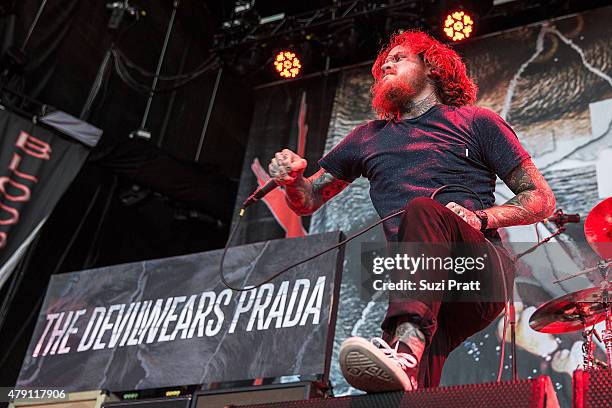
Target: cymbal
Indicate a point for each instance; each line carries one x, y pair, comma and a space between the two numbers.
598, 228
570, 312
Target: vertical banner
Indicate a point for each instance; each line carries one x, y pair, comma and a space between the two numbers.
36, 167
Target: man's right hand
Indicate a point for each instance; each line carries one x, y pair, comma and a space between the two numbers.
286, 167
304, 196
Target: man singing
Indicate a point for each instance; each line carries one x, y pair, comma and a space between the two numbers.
429, 135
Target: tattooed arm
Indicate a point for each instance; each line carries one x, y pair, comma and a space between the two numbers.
534, 201
304, 195
307, 195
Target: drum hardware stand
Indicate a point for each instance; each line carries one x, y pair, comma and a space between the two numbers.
601, 264
560, 230
512, 321
587, 307
605, 296
588, 348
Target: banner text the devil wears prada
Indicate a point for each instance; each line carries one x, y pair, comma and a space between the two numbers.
282, 305
171, 321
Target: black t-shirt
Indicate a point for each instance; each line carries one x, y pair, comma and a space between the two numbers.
411, 158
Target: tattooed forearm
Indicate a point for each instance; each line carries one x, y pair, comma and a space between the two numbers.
325, 186
299, 196
305, 196
534, 200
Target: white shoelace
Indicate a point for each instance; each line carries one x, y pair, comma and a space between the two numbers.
404, 360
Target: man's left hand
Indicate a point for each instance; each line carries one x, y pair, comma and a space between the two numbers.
465, 214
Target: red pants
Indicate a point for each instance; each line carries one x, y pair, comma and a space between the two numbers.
444, 324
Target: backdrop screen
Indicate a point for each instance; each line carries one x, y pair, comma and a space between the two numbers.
552, 82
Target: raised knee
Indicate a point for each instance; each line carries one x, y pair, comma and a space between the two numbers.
422, 205
419, 212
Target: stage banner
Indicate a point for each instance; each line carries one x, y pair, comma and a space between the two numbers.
170, 322
37, 166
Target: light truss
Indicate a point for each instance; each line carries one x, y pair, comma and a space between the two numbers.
248, 29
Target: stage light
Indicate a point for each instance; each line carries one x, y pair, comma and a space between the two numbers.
458, 25
287, 64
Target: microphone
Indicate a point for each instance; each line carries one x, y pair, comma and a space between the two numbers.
259, 193
560, 219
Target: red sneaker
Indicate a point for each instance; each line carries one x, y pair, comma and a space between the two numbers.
374, 366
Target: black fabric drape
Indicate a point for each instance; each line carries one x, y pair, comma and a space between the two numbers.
196, 186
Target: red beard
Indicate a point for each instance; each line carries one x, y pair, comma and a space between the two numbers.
393, 96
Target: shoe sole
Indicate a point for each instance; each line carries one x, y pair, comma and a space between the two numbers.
366, 368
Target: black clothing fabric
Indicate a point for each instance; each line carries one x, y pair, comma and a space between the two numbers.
445, 324
405, 162
411, 158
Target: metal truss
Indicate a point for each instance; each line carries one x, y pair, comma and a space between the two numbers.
247, 28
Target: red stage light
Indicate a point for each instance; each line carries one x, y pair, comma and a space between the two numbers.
458, 25
287, 64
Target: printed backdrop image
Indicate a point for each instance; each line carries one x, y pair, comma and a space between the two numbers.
552, 82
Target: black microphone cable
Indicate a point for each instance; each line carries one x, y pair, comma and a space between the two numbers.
363, 231
339, 244
343, 242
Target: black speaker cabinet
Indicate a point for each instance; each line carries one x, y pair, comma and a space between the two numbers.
167, 402
536, 393
592, 389
256, 395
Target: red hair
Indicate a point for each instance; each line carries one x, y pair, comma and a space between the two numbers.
448, 72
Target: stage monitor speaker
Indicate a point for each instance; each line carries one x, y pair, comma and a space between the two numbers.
84, 399
592, 389
536, 393
166, 402
256, 395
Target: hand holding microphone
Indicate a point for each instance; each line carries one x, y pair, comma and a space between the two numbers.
285, 168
